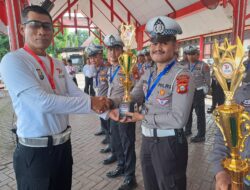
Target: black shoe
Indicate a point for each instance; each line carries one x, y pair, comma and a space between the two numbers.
188, 133
128, 184
105, 141
99, 133
197, 139
105, 150
110, 160
115, 173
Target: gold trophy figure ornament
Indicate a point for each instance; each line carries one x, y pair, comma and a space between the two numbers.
127, 61
230, 117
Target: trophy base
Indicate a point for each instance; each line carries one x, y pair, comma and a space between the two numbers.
237, 169
125, 107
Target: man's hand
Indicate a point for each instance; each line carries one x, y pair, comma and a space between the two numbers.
100, 104
223, 181
132, 117
114, 114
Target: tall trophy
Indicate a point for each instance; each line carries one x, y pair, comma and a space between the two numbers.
230, 117
127, 61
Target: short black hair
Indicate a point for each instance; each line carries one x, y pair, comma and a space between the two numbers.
163, 38
69, 61
36, 9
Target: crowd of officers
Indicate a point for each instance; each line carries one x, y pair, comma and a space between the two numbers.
120, 137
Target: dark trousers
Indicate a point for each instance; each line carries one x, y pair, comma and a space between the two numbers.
88, 89
48, 168
218, 96
105, 127
164, 163
123, 146
199, 107
75, 81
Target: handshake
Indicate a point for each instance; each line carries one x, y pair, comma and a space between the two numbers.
101, 104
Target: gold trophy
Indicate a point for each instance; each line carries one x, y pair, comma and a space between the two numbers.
127, 61
230, 117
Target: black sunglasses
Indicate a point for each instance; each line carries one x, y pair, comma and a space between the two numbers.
35, 24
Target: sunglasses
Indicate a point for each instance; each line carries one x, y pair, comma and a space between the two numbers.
35, 24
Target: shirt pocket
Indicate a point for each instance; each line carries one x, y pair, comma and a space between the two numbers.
163, 97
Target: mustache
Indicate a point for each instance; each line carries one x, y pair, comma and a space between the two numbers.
158, 51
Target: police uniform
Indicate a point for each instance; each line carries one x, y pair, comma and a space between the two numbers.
149, 64
122, 134
164, 149
100, 84
92, 50
140, 66
218, 96
42, 105
201, 74
247, 66
220, 151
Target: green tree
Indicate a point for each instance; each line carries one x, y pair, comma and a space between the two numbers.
4, 45
59, 42
82, 35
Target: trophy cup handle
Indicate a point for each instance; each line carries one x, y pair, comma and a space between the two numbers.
121, 62
133, 61
217, 121
245, 117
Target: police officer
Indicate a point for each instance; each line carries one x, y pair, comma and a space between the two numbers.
89, 69
201, 74
122, 134
168, 90
43, 96
247, 66
140, 62
220, 151
100, 84
148, 60
95, 57
218, 96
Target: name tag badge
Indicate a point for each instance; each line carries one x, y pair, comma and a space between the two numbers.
40, 74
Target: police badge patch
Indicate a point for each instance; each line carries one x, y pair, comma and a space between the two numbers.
162, 101
40, 74
182, 84
159, 27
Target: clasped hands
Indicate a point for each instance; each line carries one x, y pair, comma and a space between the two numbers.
102, 104
130, 116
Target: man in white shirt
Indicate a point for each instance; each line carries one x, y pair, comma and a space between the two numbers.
89, 72
43, 96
